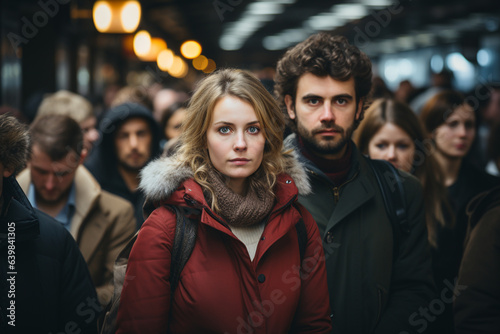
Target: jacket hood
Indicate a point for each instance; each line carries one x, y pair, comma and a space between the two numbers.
160, 178
109, 124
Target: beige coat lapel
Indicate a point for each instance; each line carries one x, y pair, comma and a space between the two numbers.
87, 232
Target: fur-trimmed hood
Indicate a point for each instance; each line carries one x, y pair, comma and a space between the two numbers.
161, 177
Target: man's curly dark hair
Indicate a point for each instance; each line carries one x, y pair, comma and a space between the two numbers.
323, 54
14, 144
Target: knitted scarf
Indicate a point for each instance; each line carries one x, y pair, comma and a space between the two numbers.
239, 210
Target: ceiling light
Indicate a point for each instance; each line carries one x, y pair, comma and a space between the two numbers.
142, 43
350, 11
190, 49
210, 67
116, 16
165, 59
265, 8
200, 62
483, 57
157, 45
377, 3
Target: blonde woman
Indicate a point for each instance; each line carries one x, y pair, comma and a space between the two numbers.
244, 274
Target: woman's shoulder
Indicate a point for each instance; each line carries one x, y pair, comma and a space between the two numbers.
161, 178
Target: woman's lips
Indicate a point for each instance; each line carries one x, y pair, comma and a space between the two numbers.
239, 161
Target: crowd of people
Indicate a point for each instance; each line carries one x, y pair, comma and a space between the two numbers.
294, 233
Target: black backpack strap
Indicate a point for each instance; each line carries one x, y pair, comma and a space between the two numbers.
391, 187
184, 241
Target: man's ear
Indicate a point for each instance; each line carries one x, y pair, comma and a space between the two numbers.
7, 173
83, 155
290, 106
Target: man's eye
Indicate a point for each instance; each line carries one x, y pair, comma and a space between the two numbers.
224, 130
453, 124
313, 101
381, 146
342, 101
61, 174
253, 130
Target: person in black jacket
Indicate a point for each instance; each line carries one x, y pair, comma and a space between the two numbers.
477, 307
45, 286
130, 139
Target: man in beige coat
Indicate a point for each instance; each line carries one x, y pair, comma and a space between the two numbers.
56, 183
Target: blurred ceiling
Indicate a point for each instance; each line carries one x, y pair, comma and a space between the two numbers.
243, 32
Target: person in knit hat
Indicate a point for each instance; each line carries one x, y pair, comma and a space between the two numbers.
245, 272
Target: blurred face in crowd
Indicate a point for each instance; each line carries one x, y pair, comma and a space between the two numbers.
235, 141
90, 134
133, 142
491, 113
324, 110
393, 144
173, 127
454, 137
52, 179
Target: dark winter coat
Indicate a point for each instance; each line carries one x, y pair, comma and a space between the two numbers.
477, 304
102, 163
370, 292
52, 286
221, 289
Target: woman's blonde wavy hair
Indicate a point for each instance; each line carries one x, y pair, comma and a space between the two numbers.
241, 84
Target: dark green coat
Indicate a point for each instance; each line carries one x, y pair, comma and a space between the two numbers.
369, 292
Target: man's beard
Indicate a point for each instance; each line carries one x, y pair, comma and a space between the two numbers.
131, 168
328, 146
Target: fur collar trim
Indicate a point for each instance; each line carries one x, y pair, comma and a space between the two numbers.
161, 177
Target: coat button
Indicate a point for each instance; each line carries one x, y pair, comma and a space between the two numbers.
261, 278
329, 237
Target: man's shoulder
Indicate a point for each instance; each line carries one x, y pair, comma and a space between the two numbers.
114, 202
53, 238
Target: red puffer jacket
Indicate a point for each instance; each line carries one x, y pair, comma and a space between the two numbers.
221, 290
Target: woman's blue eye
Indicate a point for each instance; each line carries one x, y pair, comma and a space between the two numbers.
381, 146
224, 130
253, 129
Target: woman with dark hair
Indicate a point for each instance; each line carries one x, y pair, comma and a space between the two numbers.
450, 123
245, 272
392, 132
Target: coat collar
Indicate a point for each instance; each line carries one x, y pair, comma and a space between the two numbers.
160, 178
87, 192
360, 189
